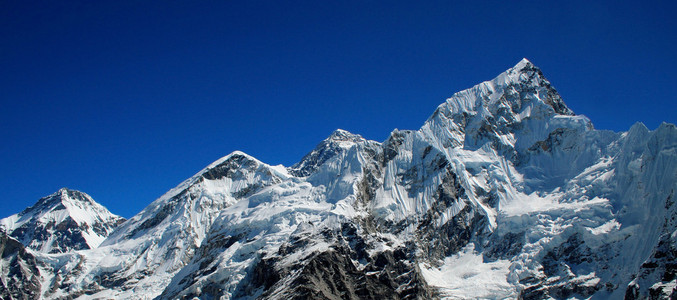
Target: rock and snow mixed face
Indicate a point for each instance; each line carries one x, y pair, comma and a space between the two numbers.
19, 273
503, 193
62, 222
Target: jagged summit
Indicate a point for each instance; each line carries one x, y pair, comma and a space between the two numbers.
63, 221
220, 168
519, 102
527, 73
338, 142
74, 202
236, 153
522, 86
523, 62
345, 136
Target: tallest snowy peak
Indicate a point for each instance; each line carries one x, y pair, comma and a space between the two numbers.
523, 63
523, 66
521, 90
498, 109
526, 77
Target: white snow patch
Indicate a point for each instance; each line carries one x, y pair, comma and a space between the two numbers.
605, 228
467, 276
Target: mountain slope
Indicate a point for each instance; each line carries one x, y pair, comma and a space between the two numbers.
145, 252
502, 193
19, 273
61, 222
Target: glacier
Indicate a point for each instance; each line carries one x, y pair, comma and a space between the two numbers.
503, 193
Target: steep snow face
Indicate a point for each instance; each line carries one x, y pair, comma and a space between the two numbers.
647, 181
411, 173
64, 221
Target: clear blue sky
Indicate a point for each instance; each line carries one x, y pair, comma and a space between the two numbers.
125, 99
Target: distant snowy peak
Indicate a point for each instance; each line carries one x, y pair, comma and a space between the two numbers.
64, 221
338, 142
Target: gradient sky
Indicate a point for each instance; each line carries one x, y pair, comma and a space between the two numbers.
125, 99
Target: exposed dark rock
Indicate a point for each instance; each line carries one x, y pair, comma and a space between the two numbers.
560, 281
553, 141
552, 97
19, 271
560, 290
332, 274
439, 241
233, 167
391, 145
505, 246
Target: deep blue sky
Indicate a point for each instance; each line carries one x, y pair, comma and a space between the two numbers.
125, 99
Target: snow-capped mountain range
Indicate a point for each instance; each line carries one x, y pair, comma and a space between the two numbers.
503, 193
